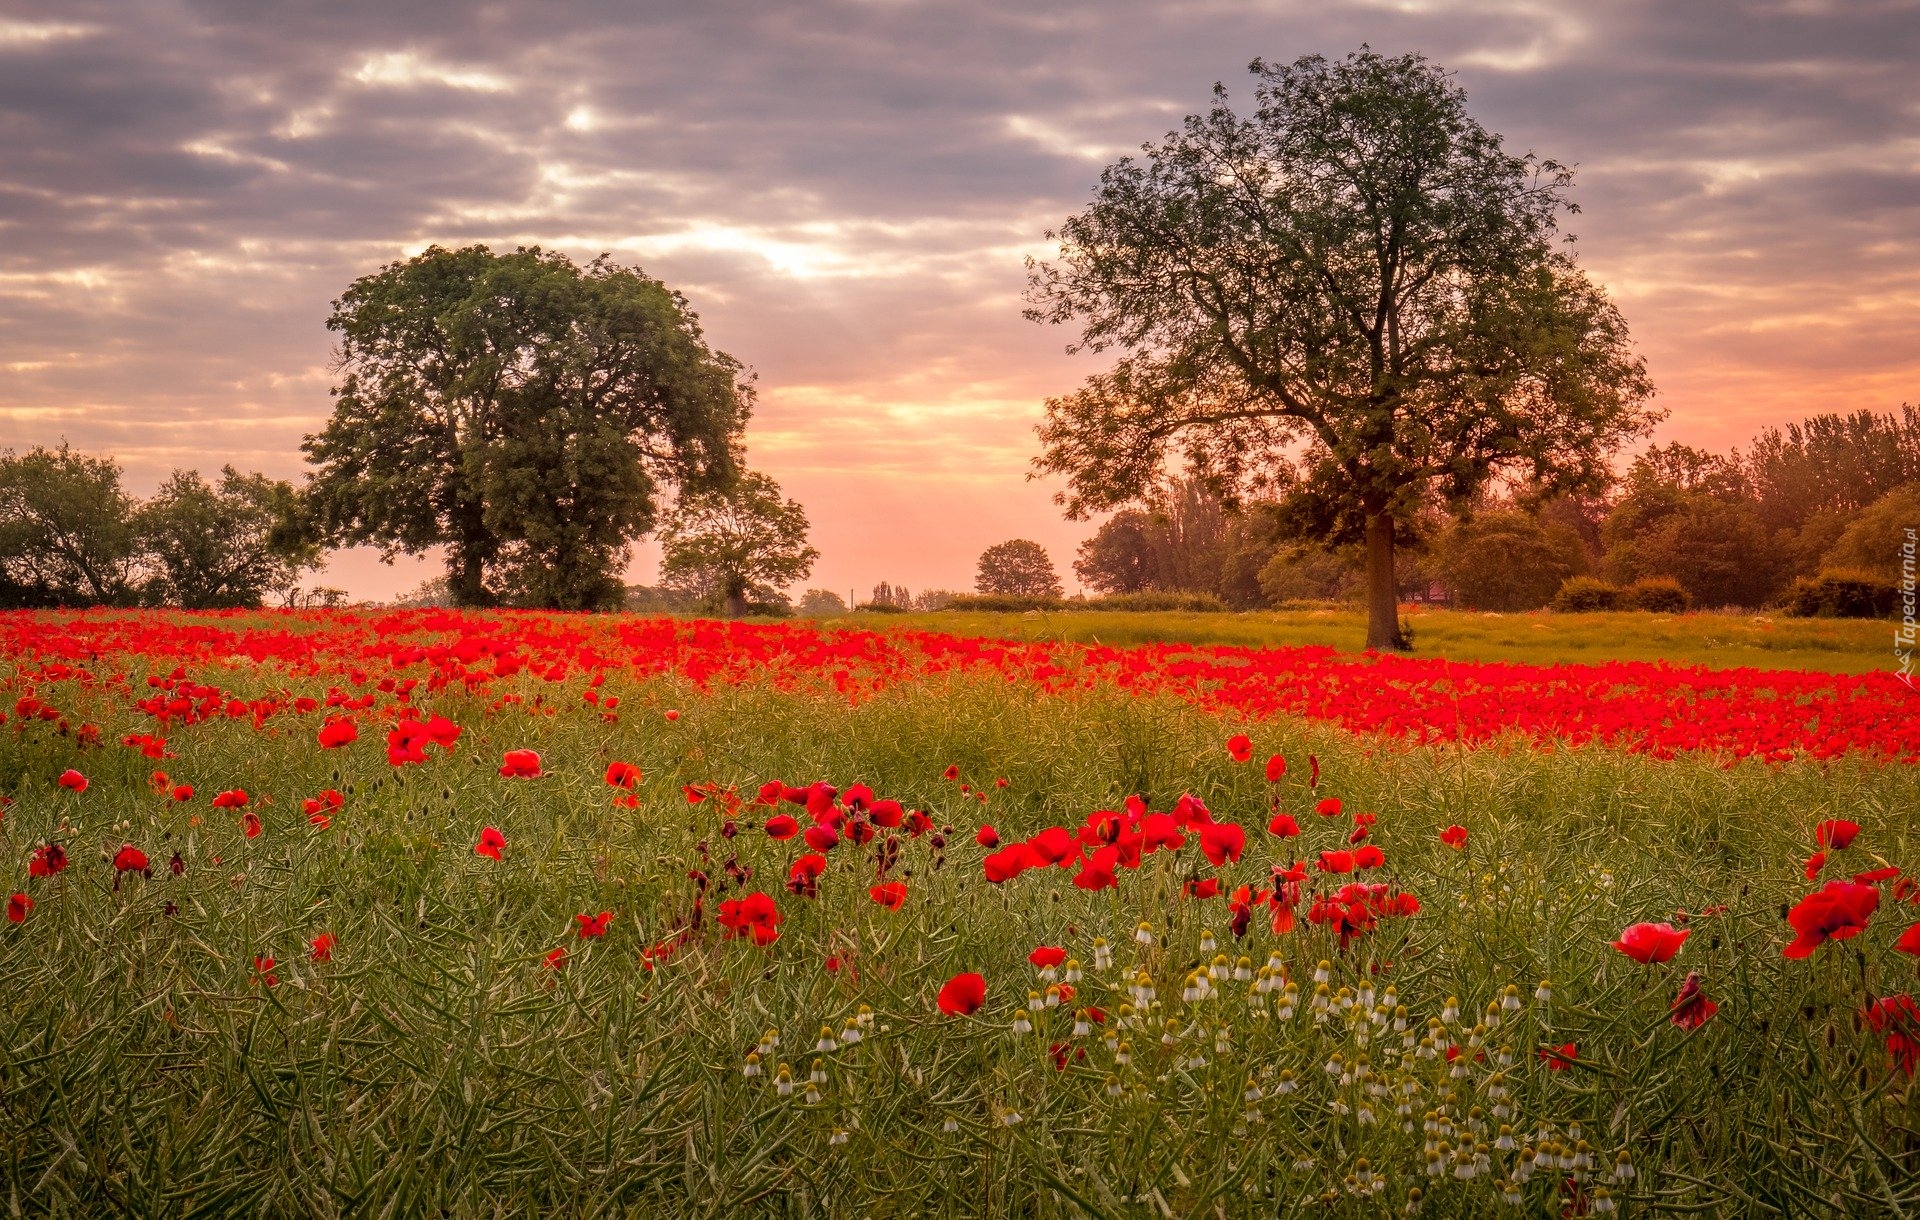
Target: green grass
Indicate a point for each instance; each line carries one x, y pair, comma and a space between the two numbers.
435, 1066
1720, 640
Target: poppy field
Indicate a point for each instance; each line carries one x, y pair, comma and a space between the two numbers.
397, 912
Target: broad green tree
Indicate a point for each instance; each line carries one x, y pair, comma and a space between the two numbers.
1354, 296
738, 546
1019, 567
233, 543
1506, 559
1689, 515
67, 535
522, 412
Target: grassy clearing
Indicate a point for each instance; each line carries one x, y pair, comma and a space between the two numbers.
437, 1065
1845, 646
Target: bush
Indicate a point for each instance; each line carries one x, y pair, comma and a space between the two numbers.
1845, 593
1654, 594
1583, 595
879, 608
1191, 603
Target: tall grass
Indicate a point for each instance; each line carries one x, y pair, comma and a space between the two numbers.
436, 1065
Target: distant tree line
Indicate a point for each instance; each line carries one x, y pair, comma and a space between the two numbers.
70, 535
1831, 494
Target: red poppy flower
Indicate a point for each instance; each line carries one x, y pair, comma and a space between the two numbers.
671, 714
1283, 826
1209, 888
1691, 1009
250, 823
1054, 845
962, 995
337, 733
17, 908
1329, 807
987, 837
752, 915
1651, 943
1276, 767
1047, 956
491, 841
73, 780
323, 947
1222, 841
520, 764
48, 859
1909, 941
623, 775
1313, 772
555, 959
1839, 910
232, 798
1097, 873
821, 838
1837, 833
804, 877
1560, 1058
1369, 856
263, 971
1898, 1017
1240, 748
130, 859
593, 927
952, 772
1336, 862
780, 826
1454, 837
1875, 876
182, 792
887, 813
891, 895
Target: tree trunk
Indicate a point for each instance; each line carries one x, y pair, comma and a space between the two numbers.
1383, 606
470, 588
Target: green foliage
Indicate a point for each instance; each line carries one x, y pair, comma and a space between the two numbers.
1687, 514
1124, 603
1842, 594
1882, 536
1584, 595
225, 545
1372, 306
1186, 540
1656, 595
1832, 464
821, 603
522, 412
1508, 560
738, 546
67, 534
1310, 575
1017, 568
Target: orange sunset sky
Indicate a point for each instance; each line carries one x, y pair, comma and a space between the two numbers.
846, 192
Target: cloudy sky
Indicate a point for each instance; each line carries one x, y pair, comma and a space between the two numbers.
846, 189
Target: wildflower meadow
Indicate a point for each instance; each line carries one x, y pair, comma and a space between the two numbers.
415, 912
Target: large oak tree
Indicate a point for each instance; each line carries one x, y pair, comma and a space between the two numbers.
522, 412
1354, 298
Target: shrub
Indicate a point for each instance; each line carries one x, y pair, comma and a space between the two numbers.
879, 608
1003, 603
1583, 594
1192, 603
1845, 593
1654, 594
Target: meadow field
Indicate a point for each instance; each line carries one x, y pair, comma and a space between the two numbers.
418, 912
1720, 639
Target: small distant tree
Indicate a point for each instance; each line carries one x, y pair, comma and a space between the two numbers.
1687, 514
1119, 558
1874, 540
884, 594
738, 546
821, 603
67, 534
1018, 568
1508, 560
230, 544
934, 599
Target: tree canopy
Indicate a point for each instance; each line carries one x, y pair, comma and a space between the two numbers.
226, 544
735, 547
522, 412
1353, 298
67, 535
1018, 568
